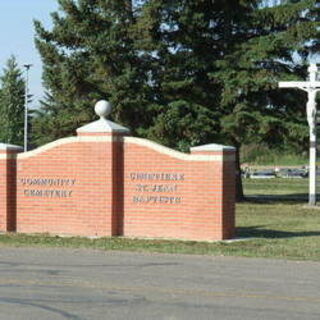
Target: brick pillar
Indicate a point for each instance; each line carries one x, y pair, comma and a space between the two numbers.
118, 185
8, 186
225, 184
113, 152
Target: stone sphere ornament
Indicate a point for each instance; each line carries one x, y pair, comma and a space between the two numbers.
103, 108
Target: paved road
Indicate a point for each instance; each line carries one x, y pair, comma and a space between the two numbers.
83, 284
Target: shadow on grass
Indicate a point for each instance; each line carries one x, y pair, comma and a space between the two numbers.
295, 198
259, 232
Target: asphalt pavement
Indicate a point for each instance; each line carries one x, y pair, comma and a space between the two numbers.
87, 284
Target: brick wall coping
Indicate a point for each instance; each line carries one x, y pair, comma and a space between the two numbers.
63, 141
212, 147
131, 140
103, 126
10, 147
176, 154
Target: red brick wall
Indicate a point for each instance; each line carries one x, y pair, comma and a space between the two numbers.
104, 185
7, 191
189, 208
3, 194
228, 200
85, 169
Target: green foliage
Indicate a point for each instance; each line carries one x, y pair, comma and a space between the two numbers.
192, 123
263, 47
12, 91
89, 55
180, 72
261, 154
261, 51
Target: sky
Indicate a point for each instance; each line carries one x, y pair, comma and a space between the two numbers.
17, 36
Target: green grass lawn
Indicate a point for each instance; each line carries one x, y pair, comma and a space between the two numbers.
274, 222
276, 187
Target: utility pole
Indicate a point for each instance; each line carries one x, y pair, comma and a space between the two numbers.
311, 87
26, 107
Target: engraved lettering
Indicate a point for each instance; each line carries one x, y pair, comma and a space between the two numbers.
41, 187
161, 190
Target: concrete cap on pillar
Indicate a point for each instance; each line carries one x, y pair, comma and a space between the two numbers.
10, 147
103, 108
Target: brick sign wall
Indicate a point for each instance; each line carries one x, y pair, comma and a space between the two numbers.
170, 194
105, 183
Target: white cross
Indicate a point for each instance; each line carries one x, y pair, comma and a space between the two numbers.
311, 87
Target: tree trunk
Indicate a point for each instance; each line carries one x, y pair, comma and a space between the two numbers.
239, 187
129, 7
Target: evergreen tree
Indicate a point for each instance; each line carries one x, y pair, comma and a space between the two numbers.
12, 91
217, 65
180, 72
127, 54
89, 55
179, 40
263, 49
